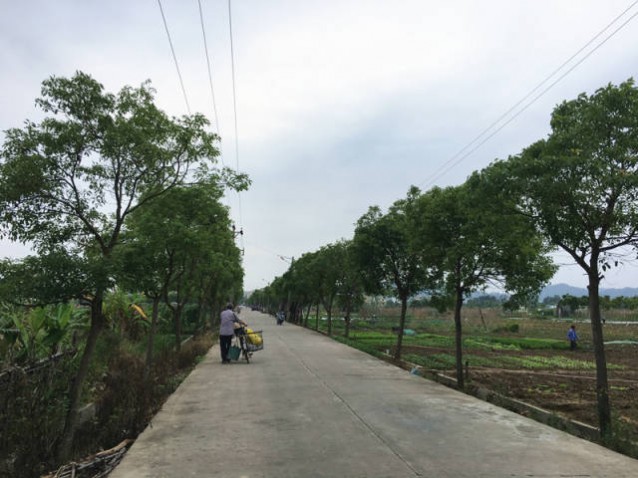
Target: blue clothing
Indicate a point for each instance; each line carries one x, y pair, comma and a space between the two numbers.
573, 337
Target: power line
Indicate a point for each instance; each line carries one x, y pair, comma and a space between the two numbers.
170, 42
536, 98
459, 156
210, 80
210, 75
268, 251
232, 63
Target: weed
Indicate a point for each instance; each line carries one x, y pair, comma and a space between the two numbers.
618, 388
511, 328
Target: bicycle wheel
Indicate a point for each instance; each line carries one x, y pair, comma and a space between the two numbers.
244, 349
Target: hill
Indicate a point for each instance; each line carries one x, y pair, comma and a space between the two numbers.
562, 289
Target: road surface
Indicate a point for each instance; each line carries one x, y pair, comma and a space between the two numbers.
307, 406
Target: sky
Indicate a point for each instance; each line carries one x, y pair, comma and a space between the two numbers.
339, 104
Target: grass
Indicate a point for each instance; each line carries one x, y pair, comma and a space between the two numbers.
446, 361
519, 343
385, 339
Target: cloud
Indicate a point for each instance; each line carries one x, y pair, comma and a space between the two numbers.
341, 104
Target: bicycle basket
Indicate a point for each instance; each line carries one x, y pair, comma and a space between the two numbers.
255, 340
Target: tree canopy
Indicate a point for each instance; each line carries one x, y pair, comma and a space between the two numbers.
385, 257
472, 240
580, 186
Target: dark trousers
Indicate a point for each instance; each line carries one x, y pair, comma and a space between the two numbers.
572, 344
224, 346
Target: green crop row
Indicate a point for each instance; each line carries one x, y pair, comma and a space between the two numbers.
432, 340
447, 361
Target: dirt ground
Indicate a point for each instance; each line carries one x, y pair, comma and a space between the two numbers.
568, 393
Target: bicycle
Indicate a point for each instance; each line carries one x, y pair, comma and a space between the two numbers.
248, 341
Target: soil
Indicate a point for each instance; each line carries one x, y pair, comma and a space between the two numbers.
569, 393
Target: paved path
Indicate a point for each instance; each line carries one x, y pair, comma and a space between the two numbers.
307, 406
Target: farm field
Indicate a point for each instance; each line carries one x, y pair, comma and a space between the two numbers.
570, 391
520, 357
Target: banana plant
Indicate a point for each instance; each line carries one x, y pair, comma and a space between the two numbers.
28, 335
31, 331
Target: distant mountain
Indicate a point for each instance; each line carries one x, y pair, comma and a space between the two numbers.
562, 289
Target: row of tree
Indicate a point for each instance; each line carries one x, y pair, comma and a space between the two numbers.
111, 193
606, 302
576, 190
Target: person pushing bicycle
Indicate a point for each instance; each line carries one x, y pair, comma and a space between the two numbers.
228, 318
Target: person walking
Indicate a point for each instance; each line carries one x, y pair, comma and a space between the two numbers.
572, 336
228, 318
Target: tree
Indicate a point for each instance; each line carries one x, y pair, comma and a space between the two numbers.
350, 285
173, 250
580, 185
304, 282
50, 278
382, 249
140, 268
470, 241
70, 181
327, 268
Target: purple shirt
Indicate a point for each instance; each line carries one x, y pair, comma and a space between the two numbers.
227, 319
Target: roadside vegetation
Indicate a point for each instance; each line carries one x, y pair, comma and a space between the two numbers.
133, 256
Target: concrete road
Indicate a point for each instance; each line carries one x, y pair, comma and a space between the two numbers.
307, 406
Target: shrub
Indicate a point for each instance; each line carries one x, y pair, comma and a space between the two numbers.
32, 413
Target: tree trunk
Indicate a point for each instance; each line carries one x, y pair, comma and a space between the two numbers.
404, 308
482, 319
295, 313
317, 317
602, 386
65, 446
305, 322
458, 338
215, 312
201, 309
346, 317
151, 337
329, 313
289, 309
177, 323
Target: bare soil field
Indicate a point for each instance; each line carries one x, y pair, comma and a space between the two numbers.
568, 393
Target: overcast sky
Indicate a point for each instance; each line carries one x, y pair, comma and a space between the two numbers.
341, 104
